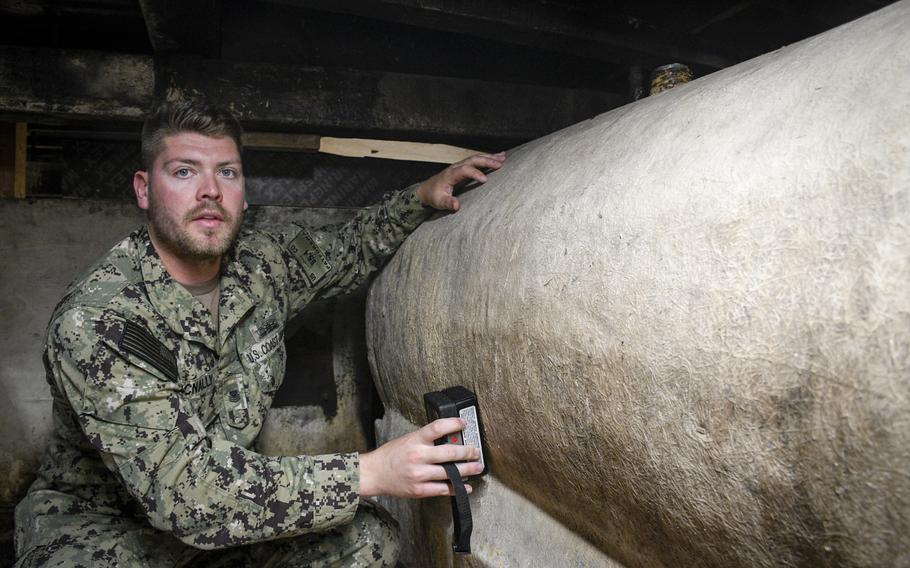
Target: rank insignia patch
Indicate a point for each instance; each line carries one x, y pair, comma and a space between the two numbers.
315, 264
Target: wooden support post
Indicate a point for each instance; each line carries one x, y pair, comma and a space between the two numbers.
13, 137
20, 160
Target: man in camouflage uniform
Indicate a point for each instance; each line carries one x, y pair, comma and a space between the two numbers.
163, 362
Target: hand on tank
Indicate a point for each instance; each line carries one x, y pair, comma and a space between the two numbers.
408, 466
437, 191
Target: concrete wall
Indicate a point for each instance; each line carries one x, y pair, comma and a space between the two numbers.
688, 320
45, 244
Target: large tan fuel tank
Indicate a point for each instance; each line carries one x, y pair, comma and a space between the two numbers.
688, 319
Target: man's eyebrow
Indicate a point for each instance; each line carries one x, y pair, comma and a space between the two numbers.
182, 161
197, 163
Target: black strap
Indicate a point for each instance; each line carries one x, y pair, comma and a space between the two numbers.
461, 512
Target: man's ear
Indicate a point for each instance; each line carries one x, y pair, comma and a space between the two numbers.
141, 187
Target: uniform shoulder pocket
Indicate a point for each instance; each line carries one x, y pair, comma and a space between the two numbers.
313, 259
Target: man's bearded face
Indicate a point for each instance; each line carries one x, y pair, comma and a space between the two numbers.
217, 231
194, 196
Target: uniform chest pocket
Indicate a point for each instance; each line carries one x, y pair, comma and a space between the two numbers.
265, 361
235, 401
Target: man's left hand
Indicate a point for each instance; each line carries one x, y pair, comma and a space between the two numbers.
437, 191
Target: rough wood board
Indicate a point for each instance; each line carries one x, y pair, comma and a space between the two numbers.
394, 150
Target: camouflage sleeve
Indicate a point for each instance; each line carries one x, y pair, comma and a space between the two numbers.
336, 259
207, 492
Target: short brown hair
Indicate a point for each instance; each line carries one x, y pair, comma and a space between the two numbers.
169, 118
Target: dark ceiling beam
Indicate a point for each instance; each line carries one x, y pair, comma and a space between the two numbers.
375, 104
102, 8
537, 25
62, 85
825, 16
179, 26
722, 16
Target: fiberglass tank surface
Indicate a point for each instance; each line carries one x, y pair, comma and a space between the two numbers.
688, 319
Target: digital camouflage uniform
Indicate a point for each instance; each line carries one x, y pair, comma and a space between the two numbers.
156, 414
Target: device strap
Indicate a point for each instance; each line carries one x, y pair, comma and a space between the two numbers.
462, 522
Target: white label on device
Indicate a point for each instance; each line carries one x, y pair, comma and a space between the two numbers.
471, 433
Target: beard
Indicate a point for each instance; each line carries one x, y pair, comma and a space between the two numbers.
175, 235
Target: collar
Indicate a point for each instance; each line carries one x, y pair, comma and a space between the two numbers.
184, 313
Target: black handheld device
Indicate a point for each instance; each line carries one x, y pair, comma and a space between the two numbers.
458, 402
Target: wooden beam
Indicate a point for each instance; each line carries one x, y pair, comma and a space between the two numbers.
288, 142
183, 27
73, 85
722, 16
371, 104
826, 15
55, 86
12, 159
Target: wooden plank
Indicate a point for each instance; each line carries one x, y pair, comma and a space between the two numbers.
21, 146
356, 147
281, 141
394, 150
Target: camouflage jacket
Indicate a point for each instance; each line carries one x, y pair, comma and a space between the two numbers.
155, 413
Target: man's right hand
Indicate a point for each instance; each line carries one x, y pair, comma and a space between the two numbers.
409, 466
437, 191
